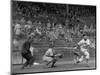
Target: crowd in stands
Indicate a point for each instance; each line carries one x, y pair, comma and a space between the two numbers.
49, 21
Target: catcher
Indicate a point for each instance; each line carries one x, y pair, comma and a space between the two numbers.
51, 57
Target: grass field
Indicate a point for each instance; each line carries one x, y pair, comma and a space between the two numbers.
61, 65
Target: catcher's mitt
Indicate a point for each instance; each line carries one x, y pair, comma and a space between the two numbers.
59, 55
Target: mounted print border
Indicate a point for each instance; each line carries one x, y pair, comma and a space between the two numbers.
52, 37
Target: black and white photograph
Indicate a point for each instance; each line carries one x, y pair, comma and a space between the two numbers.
52, 37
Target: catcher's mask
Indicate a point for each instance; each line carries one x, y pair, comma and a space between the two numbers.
51, 46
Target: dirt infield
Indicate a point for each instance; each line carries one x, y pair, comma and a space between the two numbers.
65, 65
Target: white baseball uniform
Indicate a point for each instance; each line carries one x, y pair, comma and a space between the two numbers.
84, 48
48, 54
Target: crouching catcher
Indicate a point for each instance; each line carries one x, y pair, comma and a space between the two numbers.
51, 57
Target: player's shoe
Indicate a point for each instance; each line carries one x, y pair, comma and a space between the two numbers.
78, 62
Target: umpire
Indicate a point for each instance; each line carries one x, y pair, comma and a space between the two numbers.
26, 53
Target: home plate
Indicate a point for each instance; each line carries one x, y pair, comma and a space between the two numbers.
35, 63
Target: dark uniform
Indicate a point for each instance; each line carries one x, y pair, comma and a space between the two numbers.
26, 53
